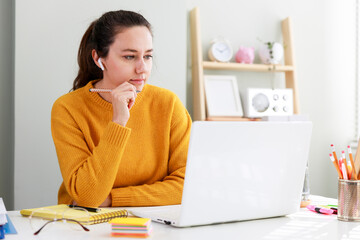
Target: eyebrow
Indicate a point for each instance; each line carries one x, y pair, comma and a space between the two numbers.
133, 50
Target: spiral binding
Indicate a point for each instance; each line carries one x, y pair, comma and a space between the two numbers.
105, 217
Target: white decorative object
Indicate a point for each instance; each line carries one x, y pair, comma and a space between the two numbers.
222, 96
271, 53
260, 102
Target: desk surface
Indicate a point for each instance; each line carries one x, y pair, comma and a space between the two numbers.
301, 225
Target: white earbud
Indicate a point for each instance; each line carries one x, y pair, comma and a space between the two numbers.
100, 63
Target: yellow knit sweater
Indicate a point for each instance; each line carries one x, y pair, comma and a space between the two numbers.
142, 164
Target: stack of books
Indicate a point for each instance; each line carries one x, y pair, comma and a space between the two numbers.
131, 227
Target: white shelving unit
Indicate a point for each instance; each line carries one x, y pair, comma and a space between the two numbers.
198, 66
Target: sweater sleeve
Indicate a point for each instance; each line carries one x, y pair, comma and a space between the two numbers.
169, 190
88, 175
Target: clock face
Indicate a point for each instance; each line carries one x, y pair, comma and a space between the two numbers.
221, 51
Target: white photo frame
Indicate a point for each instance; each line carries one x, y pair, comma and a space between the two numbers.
222, 96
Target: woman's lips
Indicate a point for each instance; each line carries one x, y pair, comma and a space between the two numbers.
137, 81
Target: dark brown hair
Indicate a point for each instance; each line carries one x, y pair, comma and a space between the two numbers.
99, 36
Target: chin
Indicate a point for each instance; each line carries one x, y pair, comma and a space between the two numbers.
140, 87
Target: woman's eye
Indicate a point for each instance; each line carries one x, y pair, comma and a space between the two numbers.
129, 57
148, 57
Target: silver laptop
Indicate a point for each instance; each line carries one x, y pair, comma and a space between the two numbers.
239, 171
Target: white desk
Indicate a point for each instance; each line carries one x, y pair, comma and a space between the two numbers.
301, 225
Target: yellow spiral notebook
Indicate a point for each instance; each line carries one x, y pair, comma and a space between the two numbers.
84, 217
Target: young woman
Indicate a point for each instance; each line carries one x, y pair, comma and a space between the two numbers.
128, 146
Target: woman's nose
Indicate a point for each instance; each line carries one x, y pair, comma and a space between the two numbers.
141, 66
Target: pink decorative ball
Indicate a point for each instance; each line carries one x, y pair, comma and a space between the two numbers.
245, 55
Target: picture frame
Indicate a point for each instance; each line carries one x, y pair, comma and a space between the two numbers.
222, 96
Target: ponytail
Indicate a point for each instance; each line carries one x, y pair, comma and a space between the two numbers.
88, 70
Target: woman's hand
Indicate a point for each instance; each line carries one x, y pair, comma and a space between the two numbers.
122, 99
107, 202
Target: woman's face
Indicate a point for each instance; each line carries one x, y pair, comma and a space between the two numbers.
129, 58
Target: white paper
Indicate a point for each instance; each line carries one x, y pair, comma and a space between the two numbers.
3, 219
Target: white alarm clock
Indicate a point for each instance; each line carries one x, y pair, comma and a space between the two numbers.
220, 50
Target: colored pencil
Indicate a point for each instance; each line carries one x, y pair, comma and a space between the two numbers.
343, 168
345, 162
336, 166
334, 153
349, 168
352, 163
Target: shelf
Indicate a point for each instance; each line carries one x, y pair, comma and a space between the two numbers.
247, 67
199, 65
232, 119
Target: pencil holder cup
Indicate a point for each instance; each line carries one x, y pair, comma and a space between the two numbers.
348, 200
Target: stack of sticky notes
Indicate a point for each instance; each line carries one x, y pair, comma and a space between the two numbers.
131, 227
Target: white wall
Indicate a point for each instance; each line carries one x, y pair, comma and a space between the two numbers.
47, 37
7, 102
48, 33
324, 48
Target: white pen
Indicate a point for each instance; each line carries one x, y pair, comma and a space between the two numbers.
103, 90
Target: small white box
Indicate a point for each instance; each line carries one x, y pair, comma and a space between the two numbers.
260, 102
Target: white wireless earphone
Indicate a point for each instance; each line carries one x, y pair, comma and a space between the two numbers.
100, 63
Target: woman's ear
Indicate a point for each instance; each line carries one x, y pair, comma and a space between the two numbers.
97, 59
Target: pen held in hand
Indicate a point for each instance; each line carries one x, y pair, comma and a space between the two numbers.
103, 90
